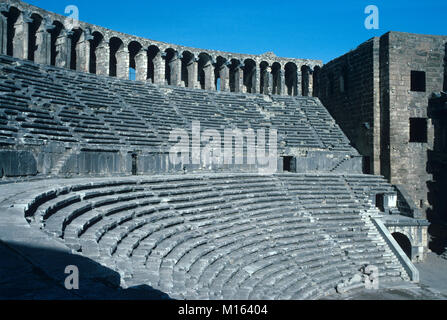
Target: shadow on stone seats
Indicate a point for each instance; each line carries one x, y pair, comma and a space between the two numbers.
33, 273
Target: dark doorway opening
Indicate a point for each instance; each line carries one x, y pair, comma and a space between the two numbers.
134, 164
288, 164
366, 165
379, 202
403, 242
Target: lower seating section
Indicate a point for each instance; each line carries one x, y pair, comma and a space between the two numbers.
221, 236
43, 103
366, 187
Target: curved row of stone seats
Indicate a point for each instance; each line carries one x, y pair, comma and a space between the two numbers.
114, 125
195, 105
241, 110
327, 130
152, 106
31, 123
366, 187
132, 113
291, 123
219, 236
40, 86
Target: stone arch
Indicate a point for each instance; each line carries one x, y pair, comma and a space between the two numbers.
33, 44
265, 81
171, 66
250, 75
316, 81
277, 76
137, 61
291, 78
306, 81
76, 40
205, 71
236, 75
189, 69
59, 45
4, 10
154, 65
12, 17
221, 74
116, 46
404, 242
95, 43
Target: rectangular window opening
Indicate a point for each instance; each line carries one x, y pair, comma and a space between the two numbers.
418, 81
418, 130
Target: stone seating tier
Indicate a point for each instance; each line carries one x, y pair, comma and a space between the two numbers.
72, 101
222, 235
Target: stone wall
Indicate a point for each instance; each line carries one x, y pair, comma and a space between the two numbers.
437, 164
369, 93
349, 90
406, 53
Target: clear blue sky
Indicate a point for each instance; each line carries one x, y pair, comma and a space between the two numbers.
297, 29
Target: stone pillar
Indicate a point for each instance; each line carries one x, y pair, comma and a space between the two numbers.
122, 63
103, 58
4, 9
297, 84
43, 42
239, 78
311, 83
192, 68
63, 49
176, 70
268, 81
83, 51
282, 90
208, 70
159, 68
256, 80
224, 74
141, 65
21, 36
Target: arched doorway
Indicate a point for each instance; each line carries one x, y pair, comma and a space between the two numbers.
75, 42
291, 78
154, 62
94, 44
188, 71
403, 242
32, 37
276, 78
250, 75
135, 62
116, 45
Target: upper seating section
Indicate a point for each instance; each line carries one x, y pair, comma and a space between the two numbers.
41, 103
220, 236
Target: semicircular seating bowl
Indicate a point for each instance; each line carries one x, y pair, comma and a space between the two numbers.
220, 236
